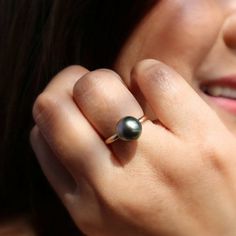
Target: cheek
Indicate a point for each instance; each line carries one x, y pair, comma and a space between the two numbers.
179, 33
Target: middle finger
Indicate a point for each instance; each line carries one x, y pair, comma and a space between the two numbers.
104, 99
101, 93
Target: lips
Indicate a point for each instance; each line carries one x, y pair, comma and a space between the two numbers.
222, 92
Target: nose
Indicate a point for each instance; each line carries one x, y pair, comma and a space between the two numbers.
229, 31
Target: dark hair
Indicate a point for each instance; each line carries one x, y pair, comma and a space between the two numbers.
37, 39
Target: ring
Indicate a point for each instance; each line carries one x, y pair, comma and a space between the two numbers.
127, 129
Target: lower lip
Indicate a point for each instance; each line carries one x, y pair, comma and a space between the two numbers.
227, 104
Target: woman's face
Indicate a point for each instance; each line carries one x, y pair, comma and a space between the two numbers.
198, 39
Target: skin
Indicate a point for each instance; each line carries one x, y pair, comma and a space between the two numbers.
175, 33
179, 177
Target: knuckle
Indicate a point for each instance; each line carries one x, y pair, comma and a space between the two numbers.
85, 84
94, 81
146, 67
151, 72
44, 106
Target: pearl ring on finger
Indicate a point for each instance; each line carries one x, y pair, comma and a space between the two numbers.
127, 129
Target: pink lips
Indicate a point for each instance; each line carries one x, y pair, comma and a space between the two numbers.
226, 104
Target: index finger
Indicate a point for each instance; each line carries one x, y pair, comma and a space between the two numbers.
173, 100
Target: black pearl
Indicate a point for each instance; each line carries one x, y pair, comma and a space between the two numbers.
128, 128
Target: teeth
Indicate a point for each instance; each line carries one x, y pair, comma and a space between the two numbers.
218, 91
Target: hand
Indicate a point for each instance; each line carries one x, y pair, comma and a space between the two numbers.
178, 178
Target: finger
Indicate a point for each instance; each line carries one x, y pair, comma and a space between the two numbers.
59, 178
172, 99
68, 132
104, 100
79, 198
